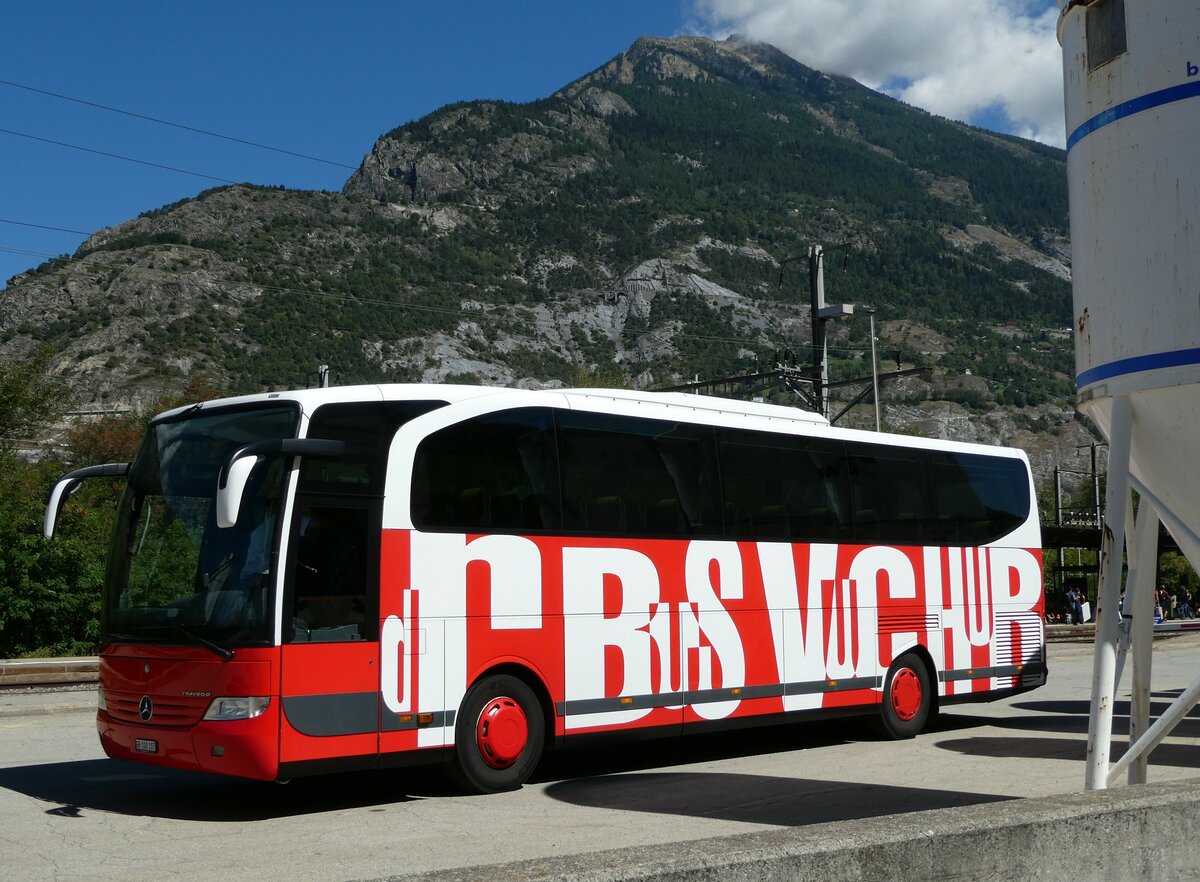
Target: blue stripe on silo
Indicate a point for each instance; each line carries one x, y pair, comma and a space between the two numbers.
1136, 364
1132, 106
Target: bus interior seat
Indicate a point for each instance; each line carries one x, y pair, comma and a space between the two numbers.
665, 516
819, 524
506, 512
606, 513
535, 512
473, 507
773, 521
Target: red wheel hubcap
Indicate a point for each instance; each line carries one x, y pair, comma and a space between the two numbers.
906, 694
502, 732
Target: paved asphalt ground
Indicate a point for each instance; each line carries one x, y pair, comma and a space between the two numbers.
68, 813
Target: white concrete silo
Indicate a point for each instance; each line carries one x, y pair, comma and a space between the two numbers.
1131, 70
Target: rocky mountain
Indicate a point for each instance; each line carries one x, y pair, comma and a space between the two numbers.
644, 225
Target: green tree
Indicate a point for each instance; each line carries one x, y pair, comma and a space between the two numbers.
115, 438
49, 591
1175, 572
30, 397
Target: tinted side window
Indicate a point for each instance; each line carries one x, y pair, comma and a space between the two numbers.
496, 472
333, 570
783, 487
979, 498
368, 429
639, 476
890, 490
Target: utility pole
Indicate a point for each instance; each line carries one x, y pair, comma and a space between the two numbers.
797, 378
323, 376
821, 313
870, 311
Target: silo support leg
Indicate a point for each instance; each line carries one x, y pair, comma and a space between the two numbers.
1162, 727
1139, 616
1108, 620
1126, 609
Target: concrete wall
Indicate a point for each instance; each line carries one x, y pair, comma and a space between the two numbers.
1132, 833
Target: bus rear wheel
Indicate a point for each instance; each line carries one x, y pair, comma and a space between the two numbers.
498, 735
907, 698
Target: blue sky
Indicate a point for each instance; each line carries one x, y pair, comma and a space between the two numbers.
321, 79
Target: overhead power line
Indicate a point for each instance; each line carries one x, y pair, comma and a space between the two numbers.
163, 122
182, 171
42, 227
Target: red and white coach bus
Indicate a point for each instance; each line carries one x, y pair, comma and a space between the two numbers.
379, 575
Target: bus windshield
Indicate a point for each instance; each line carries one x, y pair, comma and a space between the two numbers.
173, 575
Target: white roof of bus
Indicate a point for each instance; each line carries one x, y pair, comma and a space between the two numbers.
310, 399
698, 402
704, 408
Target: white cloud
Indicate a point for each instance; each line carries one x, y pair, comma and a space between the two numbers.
971, 60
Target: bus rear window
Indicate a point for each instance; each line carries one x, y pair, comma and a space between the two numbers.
979, 498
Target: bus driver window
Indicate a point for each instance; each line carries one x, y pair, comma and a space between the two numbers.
329, 600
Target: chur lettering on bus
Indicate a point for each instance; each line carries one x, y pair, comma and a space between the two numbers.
663, 632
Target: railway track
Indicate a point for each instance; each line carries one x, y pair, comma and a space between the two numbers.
47, 673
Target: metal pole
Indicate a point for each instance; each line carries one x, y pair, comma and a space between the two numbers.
1062, 564
1161, 729
874, 370
1108, 622
1139, 613
816, 289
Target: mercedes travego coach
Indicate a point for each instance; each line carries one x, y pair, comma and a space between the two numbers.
379, 575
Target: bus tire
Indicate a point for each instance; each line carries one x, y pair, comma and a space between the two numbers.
907, 698
498, 735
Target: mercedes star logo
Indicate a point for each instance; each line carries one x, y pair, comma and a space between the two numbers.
146, 708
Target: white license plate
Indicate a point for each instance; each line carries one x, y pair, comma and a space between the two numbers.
145, 745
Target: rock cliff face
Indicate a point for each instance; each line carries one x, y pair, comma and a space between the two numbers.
644, 225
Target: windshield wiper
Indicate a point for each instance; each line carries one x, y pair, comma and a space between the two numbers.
193, 638
200, 641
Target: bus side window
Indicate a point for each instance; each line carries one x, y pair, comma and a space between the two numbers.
333, 569
890, 488
783, 487
329, 596
494, 473
979, 499
635, 476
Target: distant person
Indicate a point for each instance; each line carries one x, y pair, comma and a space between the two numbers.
1074, 607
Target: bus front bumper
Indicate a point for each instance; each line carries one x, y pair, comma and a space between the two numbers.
243, 748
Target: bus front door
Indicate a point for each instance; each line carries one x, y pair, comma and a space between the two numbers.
330, 670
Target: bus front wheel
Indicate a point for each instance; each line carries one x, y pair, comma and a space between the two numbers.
907, 698
498, 735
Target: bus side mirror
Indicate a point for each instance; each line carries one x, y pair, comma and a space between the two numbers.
231, 483
234, 476
69, 483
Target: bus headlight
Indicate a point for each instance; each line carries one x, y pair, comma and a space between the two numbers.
236, 708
